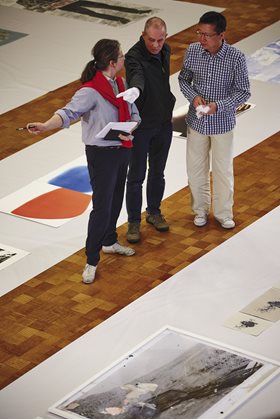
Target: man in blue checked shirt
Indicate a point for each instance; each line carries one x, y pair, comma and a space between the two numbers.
214, 79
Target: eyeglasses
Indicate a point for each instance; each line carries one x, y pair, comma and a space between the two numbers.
205, 34
121, 56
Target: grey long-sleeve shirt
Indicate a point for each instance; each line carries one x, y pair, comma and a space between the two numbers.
95, 112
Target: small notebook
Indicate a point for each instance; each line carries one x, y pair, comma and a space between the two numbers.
113, 134
112, 130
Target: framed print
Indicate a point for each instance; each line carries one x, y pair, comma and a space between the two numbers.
173, 374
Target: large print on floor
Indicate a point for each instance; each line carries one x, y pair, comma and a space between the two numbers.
55, 198
264, 64
109, 12
172, 375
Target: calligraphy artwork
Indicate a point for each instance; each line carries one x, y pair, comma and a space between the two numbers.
266, 306
247, 324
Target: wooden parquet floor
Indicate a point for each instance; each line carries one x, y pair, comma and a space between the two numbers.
54, 308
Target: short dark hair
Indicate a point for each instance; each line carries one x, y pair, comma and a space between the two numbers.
214, 18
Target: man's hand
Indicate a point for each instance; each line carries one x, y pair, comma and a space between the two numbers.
212, 108
202, 110
198, 101
130, 95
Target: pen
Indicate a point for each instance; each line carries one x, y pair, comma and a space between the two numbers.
22, 128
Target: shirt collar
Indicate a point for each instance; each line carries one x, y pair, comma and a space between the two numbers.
109, 78
220, 54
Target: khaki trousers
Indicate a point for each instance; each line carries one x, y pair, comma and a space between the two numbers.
200, 148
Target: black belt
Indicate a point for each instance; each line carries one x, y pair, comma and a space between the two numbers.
110, 147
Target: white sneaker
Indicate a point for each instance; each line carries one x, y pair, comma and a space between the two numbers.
228, 223
120, 250
89, 274
200, 220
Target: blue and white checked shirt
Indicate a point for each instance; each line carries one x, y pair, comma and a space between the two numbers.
221, 78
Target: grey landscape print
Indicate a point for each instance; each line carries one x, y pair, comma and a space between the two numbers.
174, 376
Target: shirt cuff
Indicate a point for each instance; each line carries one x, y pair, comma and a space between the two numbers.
64, 117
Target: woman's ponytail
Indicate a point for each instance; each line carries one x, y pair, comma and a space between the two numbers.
89, 71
